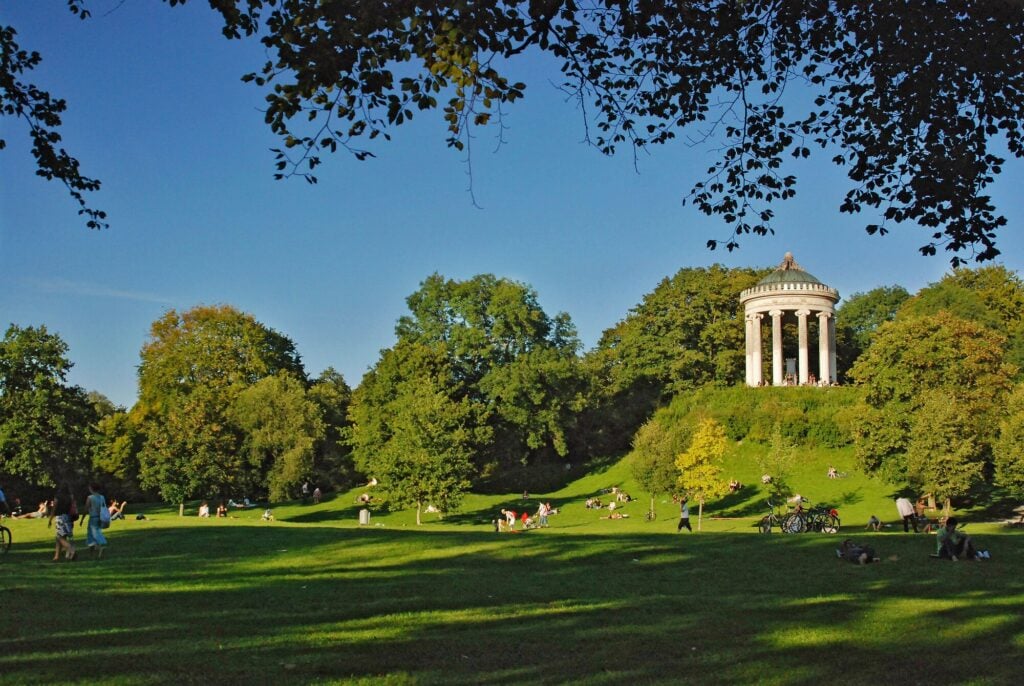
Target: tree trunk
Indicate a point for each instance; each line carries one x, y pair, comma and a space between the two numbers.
419, 506
700, 512
181, 509
652, 504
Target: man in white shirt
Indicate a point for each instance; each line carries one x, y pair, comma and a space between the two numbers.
906, 510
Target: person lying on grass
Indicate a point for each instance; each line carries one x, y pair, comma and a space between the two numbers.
856, 553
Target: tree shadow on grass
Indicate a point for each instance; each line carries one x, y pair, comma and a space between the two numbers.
250, 604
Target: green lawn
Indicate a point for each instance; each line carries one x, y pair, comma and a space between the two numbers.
313, 598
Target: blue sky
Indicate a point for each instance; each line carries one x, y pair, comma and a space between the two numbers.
158, 112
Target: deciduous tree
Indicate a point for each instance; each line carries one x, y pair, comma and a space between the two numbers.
859, 316
194, 366
653, 459
332, 463
1009, 448
281, 428
700, 469
45, 424
915, 371
411, 434
513, 362
991, 295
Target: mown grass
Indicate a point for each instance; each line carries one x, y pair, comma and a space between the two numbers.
313, 598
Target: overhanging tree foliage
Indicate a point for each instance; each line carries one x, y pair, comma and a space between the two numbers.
907, 97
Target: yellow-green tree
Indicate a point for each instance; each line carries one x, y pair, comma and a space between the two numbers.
700, 471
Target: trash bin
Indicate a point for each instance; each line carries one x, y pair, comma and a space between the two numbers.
364, 517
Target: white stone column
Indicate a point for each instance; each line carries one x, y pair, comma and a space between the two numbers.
747, 338
824, 366
833, 371
802, 328
776, 347
755, 349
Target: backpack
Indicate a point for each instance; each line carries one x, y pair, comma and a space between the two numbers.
104, 514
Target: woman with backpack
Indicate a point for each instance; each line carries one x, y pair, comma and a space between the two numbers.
96, 508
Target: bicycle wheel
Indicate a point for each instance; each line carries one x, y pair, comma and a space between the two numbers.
5, 539
794, 524
831, 525
816, 522
765, 525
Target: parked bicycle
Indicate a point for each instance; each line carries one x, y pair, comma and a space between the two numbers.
5, 539
822, 519
785, 522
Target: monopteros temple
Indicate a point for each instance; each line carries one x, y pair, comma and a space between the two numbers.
787, 294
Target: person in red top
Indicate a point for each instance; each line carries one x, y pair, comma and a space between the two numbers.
524, 518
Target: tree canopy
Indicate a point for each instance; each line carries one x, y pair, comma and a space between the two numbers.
913, 100
934, 391
686, 333
45, 424
508, 370
992, 296
700, 469
194, 367
859, 316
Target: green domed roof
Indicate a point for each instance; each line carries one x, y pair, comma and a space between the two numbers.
788, 272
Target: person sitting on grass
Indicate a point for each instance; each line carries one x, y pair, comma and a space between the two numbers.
953, 544
222, 510
204, 509
117, 509
856, 553
874, 524
268, 516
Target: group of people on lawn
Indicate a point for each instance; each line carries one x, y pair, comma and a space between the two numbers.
61, 513
509, 517
951, 543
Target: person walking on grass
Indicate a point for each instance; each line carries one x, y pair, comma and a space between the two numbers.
906, 510
684, 515
63, 506
94, 505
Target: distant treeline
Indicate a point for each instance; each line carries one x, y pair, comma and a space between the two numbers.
483, 389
